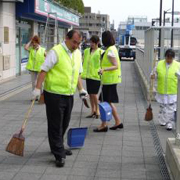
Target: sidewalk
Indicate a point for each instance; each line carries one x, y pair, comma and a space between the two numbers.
126, 154
14, 86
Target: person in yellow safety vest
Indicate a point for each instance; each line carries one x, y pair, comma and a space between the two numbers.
111, 76
91, 67
167, 83
61, 73
36, 58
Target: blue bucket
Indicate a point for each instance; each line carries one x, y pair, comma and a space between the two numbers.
105, 111
76, 137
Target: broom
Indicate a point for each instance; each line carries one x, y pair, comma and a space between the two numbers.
41, 99
16, 144
149, 113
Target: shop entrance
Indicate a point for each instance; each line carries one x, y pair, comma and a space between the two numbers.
23, 34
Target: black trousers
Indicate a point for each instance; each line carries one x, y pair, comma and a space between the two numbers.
58, 111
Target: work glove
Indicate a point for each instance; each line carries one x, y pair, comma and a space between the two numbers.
36, 94
83, 94
101, 72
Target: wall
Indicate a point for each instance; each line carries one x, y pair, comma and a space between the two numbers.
7, 19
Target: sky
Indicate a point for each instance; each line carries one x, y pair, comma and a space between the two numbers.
119, 10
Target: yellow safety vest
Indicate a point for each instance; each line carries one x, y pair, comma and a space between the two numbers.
36, 59
63, 77
91, 64
167, 80
111, 77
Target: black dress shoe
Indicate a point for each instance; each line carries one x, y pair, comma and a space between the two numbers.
97, 116
68, 152
120, 126
105, 129
91, 115
60, 162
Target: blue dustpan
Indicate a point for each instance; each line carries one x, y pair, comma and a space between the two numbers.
76, 136
105, 111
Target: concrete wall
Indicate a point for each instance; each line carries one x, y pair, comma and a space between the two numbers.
7, 19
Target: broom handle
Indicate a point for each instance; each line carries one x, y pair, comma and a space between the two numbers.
101, 87
152, 80
27, 117
81, 113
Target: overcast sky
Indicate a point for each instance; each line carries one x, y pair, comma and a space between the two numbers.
119, 10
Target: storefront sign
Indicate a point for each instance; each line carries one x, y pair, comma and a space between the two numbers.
9, 1
44, 7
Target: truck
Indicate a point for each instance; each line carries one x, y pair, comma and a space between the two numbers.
127, 44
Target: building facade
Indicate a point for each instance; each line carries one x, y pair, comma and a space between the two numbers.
19, 21
94, 23
140, 24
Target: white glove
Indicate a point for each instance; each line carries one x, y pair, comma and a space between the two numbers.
83, 94
36, 93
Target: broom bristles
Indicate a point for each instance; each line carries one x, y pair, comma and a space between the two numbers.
149, 114
16, 146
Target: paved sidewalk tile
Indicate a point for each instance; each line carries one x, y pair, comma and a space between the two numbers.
124, 154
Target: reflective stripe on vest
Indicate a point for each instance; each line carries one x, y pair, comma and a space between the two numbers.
63, 77
36, 59
111, 77
91, 64
167, 80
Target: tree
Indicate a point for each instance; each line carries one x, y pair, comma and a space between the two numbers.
77, 5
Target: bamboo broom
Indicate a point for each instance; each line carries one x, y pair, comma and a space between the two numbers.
16, 144
149, 113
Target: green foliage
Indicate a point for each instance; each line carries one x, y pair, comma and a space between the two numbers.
77, 5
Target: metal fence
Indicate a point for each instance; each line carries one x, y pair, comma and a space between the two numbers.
145, 53
144, 63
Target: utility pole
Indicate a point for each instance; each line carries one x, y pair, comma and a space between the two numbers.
172, 24
160, 22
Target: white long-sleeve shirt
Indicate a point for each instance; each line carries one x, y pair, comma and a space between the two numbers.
52, 59
164, 98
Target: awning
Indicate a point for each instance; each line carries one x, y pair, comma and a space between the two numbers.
38, 10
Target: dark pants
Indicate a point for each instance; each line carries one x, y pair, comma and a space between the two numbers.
58, 111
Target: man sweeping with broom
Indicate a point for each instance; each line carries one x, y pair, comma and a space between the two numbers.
61, 71
166, 88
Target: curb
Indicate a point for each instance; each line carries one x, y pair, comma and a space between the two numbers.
14, 91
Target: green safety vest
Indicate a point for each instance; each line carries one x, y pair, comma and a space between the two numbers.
111, 77
36, 59
91, 64
167, 80
63, 77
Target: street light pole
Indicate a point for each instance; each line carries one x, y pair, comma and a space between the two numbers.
172, 23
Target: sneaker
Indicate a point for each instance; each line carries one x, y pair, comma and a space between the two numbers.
162, 124
169, 126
